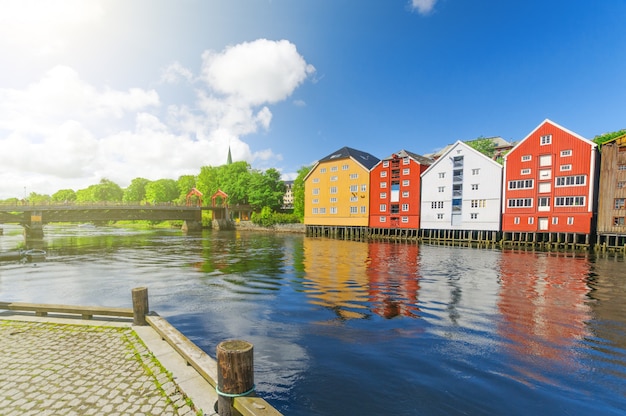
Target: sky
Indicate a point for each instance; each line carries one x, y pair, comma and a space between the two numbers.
120, 89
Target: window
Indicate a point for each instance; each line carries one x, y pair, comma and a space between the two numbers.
383, 195
555, 220
441, 188
316, 180
621, 167
473, 216
577, 180
436, 204
520, 202
333, 210
363, 209
516, 220
521, 184
333, 200
474, 203
316, 201
531, 220
322, 210
405, 194
405, 182
618, 221
545, 174
354, 188
406, 171
383, 184
395, 208
543, 203
569, 201
475, 171
385, 163
333, 189
315, 210
525, 172
383, 218
334, 169
544, 187
565, 167
619, 203
405, 220
570, 220
316, 191
354, 198
353, 210
345, 167
565, 153
547, 139
405, 207
333, 178
383, 173
406, 161
354, 176
383, 207
621, 184
363, 188
442, 174
527, 158
323, 170
545, 160
474, 187
439, 216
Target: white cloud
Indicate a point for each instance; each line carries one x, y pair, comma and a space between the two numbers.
423, 6
62, 132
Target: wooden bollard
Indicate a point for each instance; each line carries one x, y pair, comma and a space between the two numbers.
235, 373
140, 305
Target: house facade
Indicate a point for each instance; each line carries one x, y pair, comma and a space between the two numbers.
337, 189
612, 193
395, 191
549, 182
461, 190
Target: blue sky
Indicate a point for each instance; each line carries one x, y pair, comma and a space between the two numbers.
119, 89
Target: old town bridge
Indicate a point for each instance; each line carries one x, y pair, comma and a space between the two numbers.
34, 217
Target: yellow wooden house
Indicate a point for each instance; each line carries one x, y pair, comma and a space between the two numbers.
337, 189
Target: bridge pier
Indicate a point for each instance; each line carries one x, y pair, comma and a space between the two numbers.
191, 225
33, 224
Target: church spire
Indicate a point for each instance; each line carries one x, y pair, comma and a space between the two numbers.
229, 160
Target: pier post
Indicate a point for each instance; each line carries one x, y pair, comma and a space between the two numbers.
235, 373
140, 305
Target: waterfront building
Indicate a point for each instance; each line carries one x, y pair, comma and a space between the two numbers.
548, 188
395, 191
612, 194
500, 147
337, 189
288, 196
461, 190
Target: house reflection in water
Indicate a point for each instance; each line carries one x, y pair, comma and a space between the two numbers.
543, 306
336, 276
393, 279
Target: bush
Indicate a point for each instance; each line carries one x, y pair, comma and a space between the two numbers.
268, 218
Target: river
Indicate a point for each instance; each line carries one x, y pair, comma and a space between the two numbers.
353, 328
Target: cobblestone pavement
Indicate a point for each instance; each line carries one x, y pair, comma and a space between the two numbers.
61, 369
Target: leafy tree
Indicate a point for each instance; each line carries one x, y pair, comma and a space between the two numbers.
106, 190
266, 189
234, 179
603, 138
136, 191
485, 146
64, 195
162, 190
38, 199
298, 192
184, 185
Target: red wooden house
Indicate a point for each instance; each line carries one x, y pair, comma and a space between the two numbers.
549, 184
395, 191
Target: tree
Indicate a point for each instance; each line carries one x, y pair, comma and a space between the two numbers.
38, 199
485, 146
266, 189
64, 195
162, 190
298, 191
603, 138
136, 191
184, 185
106, 190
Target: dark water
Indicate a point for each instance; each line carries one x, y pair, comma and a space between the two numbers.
349, 328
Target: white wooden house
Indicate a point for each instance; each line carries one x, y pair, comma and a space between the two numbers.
461, 190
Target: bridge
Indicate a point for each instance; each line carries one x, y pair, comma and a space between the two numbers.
34, 217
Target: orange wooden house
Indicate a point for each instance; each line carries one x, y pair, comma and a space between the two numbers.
550, 183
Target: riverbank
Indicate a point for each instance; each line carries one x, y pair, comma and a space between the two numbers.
278, 228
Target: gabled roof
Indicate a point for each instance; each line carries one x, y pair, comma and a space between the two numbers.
548, 121
498, 141
367, 160
422, 160
465, 146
